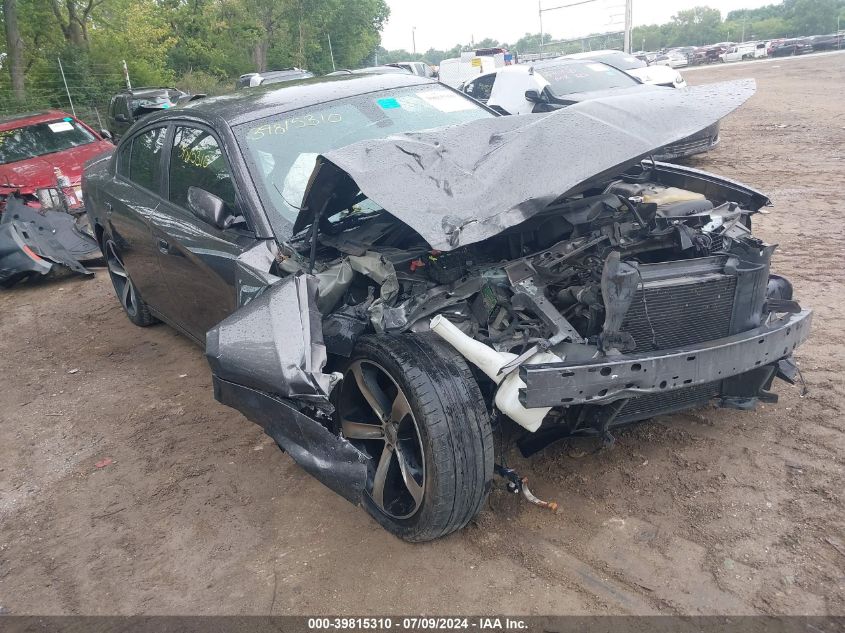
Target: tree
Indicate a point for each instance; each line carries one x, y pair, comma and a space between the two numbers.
815, 17
73, 17
14, 49
699, 25
530, 42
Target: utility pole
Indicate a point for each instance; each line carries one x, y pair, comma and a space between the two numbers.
414, 39
62, 70
542, 38
331, 52
628, 26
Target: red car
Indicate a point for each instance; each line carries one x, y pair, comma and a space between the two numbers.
34, 146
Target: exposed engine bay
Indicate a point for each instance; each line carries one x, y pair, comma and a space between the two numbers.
657, 259
542, 280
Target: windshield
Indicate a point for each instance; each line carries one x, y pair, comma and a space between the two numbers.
569, 78
282, 150
621, 61
39, 139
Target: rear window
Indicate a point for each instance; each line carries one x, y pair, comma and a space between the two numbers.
154, 102
40, 139
570, 78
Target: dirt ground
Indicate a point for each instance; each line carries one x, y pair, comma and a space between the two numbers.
714, 511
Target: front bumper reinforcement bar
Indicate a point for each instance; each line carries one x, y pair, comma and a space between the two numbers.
608, 379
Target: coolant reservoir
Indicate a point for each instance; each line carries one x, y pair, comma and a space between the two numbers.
669, 195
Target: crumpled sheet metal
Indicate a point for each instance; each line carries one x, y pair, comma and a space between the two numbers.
463, 184
275, 343
330, 459
52, 235
252, 271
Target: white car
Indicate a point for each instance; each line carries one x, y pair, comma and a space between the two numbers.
552, 84
672, 59
657, 75
748, 50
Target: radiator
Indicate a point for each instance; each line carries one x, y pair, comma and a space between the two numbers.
677, 312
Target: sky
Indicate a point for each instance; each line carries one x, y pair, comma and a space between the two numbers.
441, 24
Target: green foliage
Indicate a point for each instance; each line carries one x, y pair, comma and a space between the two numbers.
203, 45
198, 45
701, 25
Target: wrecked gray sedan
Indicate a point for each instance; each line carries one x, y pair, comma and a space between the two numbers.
381, 270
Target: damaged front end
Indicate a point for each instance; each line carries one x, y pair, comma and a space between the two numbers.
34, 242
589, 291
267, 360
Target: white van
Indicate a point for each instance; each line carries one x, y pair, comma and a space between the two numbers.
455, 72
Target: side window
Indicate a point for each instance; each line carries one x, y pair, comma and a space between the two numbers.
145, 161
483, 87
196, 160
120, 107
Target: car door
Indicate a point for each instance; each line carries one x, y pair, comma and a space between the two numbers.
198, 259
131, 201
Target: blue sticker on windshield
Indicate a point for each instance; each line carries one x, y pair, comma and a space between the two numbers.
388, 104
68, 119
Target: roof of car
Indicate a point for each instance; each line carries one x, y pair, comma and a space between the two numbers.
255, 103
144, 91
599, 53
30, 118
555, 61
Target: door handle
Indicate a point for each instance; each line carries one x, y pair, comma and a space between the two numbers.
163, 246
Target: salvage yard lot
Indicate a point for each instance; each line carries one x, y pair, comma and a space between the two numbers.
125, 488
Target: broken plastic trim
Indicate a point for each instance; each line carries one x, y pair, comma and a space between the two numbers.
33, 241
330, 459
619, 377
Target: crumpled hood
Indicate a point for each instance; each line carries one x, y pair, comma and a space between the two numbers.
463, 184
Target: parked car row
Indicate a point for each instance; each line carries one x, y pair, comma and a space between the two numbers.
732, 51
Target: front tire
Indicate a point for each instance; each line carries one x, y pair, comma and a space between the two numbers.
411, 403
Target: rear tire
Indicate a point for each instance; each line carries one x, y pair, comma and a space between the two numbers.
431, 467
131, 301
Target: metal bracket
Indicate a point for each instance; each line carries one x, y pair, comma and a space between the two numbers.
517, 485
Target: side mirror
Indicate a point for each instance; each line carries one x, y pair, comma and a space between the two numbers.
121, 118
533, 96
106, 135
208, 207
